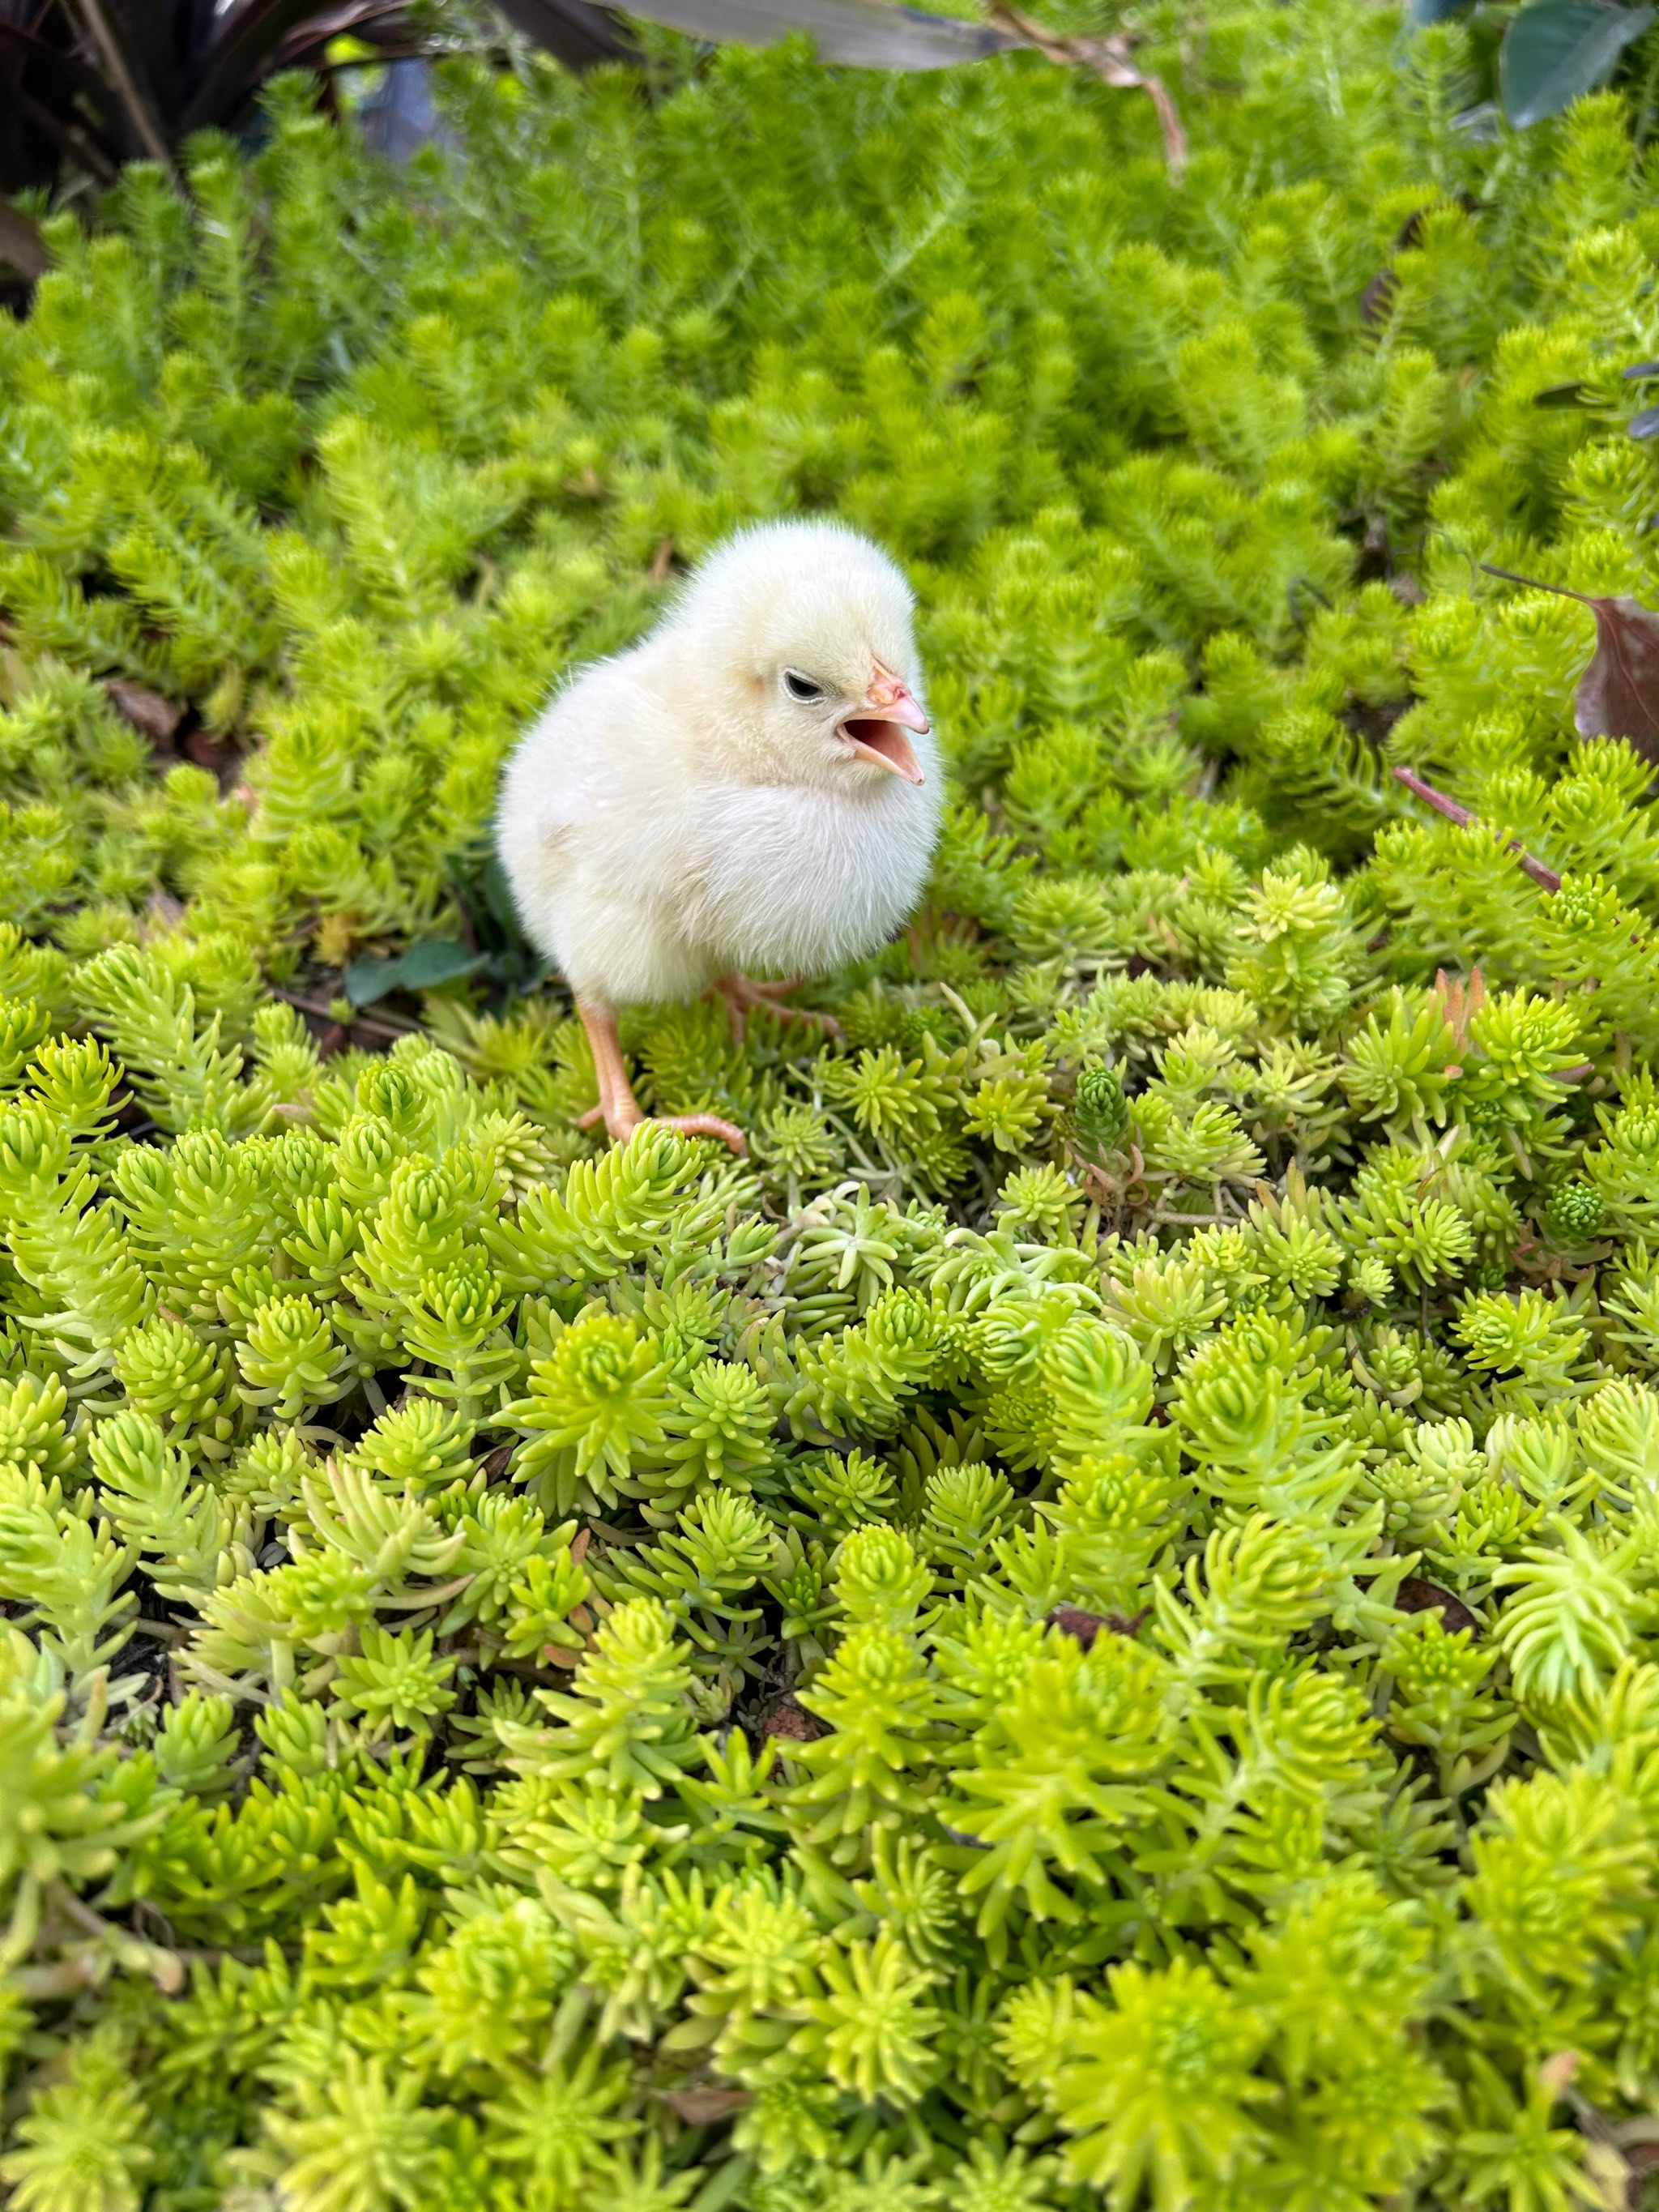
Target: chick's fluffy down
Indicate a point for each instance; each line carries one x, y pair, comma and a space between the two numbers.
674, 814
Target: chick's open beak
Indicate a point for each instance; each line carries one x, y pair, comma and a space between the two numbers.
876, 729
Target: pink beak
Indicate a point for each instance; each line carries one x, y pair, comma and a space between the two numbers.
876, 729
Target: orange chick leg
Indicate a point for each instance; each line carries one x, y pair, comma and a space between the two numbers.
744, 996
618, 1108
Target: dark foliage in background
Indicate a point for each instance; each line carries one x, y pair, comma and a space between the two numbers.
86, 85
1534, 61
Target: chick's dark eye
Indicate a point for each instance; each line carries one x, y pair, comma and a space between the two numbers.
801, 687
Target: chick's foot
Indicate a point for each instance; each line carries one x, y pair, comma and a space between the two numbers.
744, 996
620, 1126
619, 1109
703, 1125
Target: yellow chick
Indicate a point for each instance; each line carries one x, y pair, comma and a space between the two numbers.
754, 786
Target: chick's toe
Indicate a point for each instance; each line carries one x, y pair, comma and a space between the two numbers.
744, 996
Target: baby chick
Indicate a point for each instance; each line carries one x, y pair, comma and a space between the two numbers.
750, 787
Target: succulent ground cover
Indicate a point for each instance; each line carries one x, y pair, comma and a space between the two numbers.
1078, 1629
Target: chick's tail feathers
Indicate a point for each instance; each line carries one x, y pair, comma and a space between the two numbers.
619, 1109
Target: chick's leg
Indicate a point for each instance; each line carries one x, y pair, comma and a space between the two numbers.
744, 996
618, 1108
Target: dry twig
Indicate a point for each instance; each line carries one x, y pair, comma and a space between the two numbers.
1112, 63
1546, 878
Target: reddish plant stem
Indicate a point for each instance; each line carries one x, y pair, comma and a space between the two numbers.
1545, 877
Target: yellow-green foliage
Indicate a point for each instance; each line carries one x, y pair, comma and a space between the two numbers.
1079, 1630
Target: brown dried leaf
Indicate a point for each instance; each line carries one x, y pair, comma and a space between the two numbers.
147, 710
1416, 1595
1618, 694
697, 2107
791, 1723
214, 753
1072, 1620
1376, 301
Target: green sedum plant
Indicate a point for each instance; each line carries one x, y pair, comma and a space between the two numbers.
1080, 1629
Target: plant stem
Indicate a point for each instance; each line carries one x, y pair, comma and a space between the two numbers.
1534, 584
376, 1022
126, 85
1546, 878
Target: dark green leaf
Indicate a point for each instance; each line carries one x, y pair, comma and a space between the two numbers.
577, 34
247, 40
1560, 395
511, 962
366, 980
1555, 51
439, 960
1644, 424
868, 34
422, 968
498, 897
1437, 11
